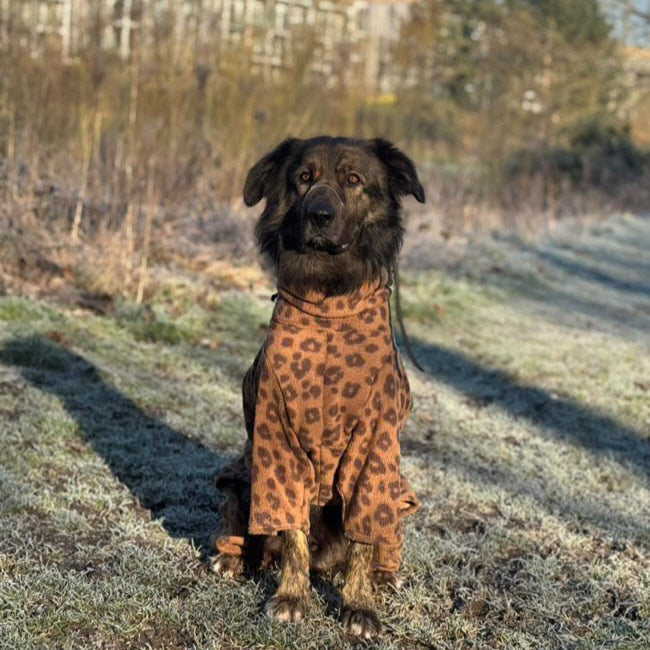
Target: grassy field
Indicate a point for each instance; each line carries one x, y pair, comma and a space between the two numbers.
529, 446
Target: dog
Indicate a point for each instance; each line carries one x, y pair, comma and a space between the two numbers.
318, 484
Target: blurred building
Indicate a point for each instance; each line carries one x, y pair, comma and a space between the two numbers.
342, 36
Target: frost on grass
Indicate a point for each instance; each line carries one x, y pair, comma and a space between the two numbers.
528, 446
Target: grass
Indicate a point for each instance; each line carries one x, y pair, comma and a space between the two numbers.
528, 445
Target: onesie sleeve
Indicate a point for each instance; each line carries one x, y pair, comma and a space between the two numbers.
281, 472
370, 478
375, 494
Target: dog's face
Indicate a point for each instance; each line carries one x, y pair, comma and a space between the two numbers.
332, 217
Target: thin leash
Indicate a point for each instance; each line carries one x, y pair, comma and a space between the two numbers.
400, 320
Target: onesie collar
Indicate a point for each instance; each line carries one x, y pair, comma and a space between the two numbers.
317, 304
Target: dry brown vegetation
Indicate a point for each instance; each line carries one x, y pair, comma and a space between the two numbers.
516, 113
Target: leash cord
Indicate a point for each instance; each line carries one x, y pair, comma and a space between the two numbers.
400, 320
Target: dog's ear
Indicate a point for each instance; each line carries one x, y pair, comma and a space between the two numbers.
402, 177
263, 173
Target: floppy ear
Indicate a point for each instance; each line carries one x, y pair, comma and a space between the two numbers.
263, 173
402, 177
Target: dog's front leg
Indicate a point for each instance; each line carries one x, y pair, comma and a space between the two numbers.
359, 616
290, 600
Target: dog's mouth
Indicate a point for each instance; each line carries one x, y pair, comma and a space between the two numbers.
318, 240
323, 245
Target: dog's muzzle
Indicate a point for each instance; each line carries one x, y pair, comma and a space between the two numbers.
321, 228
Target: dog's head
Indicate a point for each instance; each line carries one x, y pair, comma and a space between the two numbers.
332, 217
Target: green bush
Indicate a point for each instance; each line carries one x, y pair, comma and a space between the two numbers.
597, 155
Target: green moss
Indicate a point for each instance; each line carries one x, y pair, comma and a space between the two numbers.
434, 297
19, 310
242, 314
158, 331
155, 325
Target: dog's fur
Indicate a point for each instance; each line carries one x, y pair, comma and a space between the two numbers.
365, 236
331, 224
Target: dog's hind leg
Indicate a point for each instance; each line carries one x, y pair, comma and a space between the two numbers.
359, 616
228, 566
290, 600
230, 540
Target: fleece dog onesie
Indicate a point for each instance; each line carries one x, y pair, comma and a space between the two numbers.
324, 403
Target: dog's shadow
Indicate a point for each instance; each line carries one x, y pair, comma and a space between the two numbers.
171, 475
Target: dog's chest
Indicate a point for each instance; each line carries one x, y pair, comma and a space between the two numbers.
337, 370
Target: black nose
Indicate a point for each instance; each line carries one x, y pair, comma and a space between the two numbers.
321, 215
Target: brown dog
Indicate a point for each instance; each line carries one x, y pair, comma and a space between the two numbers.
327, 396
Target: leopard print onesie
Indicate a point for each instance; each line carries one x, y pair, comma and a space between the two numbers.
324, 404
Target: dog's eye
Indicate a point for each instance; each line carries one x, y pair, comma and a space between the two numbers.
353, 179
305, 177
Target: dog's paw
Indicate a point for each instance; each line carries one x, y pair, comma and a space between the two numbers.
361, 623
286, 608
388, 579
228, 566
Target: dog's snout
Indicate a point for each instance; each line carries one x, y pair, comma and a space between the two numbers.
321, 214
321, 205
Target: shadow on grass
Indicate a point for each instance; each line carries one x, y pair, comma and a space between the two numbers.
556, 416
592, 273
171, 475
624, 263
591, 280
543, 490
626, 316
